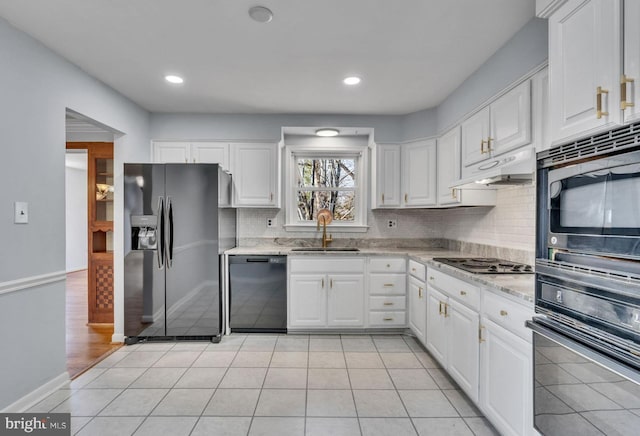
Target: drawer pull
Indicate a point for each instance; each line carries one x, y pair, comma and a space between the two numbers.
503, 313
388, 285
387, 319
322, 284
388, 304
431, 278
388, 265
463, 293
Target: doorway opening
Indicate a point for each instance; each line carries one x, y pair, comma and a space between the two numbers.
89, 239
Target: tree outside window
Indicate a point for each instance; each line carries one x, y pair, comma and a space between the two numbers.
326, 183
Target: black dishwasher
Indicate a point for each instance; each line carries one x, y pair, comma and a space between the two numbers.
258, 294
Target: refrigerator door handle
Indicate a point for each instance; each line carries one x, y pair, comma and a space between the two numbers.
160, 235
169, 258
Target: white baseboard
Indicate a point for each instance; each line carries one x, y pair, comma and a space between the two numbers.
37, 395
117, 338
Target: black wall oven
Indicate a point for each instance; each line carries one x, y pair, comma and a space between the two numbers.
588, 285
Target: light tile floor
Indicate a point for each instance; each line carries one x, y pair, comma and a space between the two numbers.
269, 385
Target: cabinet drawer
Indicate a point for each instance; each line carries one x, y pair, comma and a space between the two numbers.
397, 319
417, 270
387, 264
455, 288
326, 264
508, 314
387, 303
385, 284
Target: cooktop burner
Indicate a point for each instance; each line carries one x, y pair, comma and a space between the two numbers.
482, 265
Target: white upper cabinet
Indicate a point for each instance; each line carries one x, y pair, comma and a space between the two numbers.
211, 152
255, 174
510, 117
503, 125
630, 81
584, 68
540, 109
405, 175
387, 175
448, 167
171, 152
192, 152
419, 173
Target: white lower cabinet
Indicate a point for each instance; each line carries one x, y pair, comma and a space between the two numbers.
417, 308
452, 338
506, 396
506, 385
387, 292
325, 292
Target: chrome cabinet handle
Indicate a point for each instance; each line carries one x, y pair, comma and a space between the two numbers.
388, 319
331, 283
480, 339
503, 313
388, 304
419, 292
463, 293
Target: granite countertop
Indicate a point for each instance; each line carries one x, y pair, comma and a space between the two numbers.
520, 286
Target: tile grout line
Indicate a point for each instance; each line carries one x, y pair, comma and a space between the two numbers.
353, 397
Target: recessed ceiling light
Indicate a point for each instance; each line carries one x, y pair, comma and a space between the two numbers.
174, 79
327, 132
352, 80
261, 14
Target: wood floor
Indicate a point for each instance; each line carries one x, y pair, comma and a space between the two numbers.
86, 344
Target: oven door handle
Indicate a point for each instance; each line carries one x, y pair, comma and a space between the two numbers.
539, 326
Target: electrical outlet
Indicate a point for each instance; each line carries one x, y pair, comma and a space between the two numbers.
270, 222
392, 224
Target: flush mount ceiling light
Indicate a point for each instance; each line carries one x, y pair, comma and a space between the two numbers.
327, 132
176, 80
352, 80
260, 14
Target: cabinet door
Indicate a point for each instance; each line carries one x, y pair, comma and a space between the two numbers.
463, 357
510, 117
307, 300
449, 167
474, 132
346, 300
436, 334
631, 60
419, 173
255, 175
584, 54
417, 308
171, 152
387, 175
211, 152
506, 393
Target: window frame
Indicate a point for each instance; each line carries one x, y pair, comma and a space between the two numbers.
359, 153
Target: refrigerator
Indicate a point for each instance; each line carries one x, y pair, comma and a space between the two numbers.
177, 224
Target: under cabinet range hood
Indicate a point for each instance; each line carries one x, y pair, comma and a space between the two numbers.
515, 168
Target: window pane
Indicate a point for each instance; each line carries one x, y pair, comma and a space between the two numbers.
326, 173
340, 203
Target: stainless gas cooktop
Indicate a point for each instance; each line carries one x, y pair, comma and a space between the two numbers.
482, 265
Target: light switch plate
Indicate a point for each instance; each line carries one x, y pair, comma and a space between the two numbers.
21, 209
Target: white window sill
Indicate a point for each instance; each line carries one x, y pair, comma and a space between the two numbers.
333, 228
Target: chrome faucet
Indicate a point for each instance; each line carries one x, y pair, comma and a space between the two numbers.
325, 240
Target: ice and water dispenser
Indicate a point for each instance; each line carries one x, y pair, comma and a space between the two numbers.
144, 232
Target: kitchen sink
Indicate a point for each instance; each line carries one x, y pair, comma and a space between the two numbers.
320, 249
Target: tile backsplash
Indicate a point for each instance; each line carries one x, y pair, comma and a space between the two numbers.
508, 225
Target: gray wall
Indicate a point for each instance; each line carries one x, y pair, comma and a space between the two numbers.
526, 50
37, 86
263, 127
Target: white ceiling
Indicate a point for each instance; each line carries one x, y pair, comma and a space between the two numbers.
410, 54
